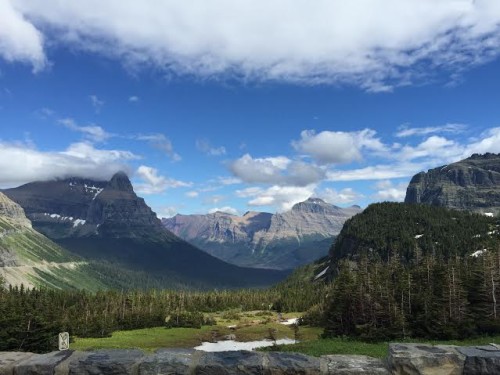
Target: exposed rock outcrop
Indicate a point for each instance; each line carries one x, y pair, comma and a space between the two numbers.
472, 184
77, 207
12, 211
259, 239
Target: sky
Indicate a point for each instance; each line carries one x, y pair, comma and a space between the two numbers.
247, 105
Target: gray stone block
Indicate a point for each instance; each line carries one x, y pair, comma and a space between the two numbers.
418, 359
352, 365
43, 364
290, 364
9, 360
230, 363
169, 362
481, 359
107, 362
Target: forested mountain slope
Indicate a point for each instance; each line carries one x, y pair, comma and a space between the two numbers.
401, 270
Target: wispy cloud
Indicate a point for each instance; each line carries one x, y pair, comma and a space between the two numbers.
92, 132
160, 142
96, 103
133, 99
406, 131
206, 147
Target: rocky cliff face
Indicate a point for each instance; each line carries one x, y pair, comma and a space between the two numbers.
259, 239
13, 212
472, 184
77, 207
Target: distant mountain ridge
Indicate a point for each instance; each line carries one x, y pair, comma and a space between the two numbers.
260, 239
106, 220
471, 184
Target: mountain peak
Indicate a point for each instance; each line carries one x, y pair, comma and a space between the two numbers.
314, 200
120, 181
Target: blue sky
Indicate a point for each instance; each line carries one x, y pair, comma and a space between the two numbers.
247, 105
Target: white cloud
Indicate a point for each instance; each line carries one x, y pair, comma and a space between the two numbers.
281, 197
21, 163
489, 141
344, 196
192, 194
166, 211
204, 146
214, 199
153, 183
160, 142
387, 191
374, 44
405, 131
133, 99
335, 147
96, 103
434, 146
92, 132
376, 172
226, 209
20, 41
229, 180
275, 170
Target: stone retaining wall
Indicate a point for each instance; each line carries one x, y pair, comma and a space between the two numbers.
408, 359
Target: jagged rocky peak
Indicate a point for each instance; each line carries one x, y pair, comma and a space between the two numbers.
471, 184
314, 205
120, 181
11, 210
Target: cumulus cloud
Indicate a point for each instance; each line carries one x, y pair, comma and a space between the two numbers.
277, 170
406, 131
281, 197
373, 44
92, 132
20, 41
160, 142
153, 183
204, 146
225, 209
21, 163
344, 196
335, 147
387, 191
488, 141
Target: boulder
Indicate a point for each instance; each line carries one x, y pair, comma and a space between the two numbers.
169, 361
230, 363
419, 359
9, 360
352, 365
481, 359
291, 364
42, 364
107, 362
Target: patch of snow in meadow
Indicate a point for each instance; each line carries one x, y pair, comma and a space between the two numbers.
477, 253
231, 345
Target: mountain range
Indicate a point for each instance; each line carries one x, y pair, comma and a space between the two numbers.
105, 222
260, 239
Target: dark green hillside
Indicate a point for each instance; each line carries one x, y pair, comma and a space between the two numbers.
387, 230
402, 270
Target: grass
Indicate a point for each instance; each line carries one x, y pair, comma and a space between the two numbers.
254, 325
321, 347
250, 326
